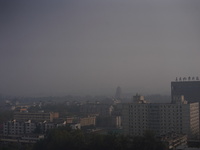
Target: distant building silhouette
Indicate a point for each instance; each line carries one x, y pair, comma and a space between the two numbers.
118, 93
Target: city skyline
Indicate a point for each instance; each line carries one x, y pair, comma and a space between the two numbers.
92, 47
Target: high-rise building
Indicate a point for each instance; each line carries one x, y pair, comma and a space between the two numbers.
118, 93
189, 87
161, 118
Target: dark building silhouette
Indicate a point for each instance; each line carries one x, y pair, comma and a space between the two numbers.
189, 88
118, 93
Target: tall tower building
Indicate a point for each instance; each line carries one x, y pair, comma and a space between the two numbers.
188, 87
118, 93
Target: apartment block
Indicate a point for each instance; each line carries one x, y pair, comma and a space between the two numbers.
36, 116
83, 121
161, 118
18, 128
15, 127
88, 121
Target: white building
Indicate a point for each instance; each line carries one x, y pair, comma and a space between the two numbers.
28, 127
161, 118
18, 128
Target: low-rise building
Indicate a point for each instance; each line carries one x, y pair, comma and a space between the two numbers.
83, 121
88, 121
173, 140
18, 128
25, 139
36, 116
28, 127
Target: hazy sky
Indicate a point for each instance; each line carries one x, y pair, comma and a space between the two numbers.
60, 47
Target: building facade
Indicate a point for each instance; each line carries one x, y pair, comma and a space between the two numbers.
173, 140
87, 121
189, 88
15, 127
179, 117
18, 128
39, 116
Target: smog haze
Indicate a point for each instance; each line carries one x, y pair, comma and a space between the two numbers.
92, 46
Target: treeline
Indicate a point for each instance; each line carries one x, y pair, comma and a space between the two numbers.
66, 139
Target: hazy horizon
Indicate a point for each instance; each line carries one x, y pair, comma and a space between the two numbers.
90, 47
